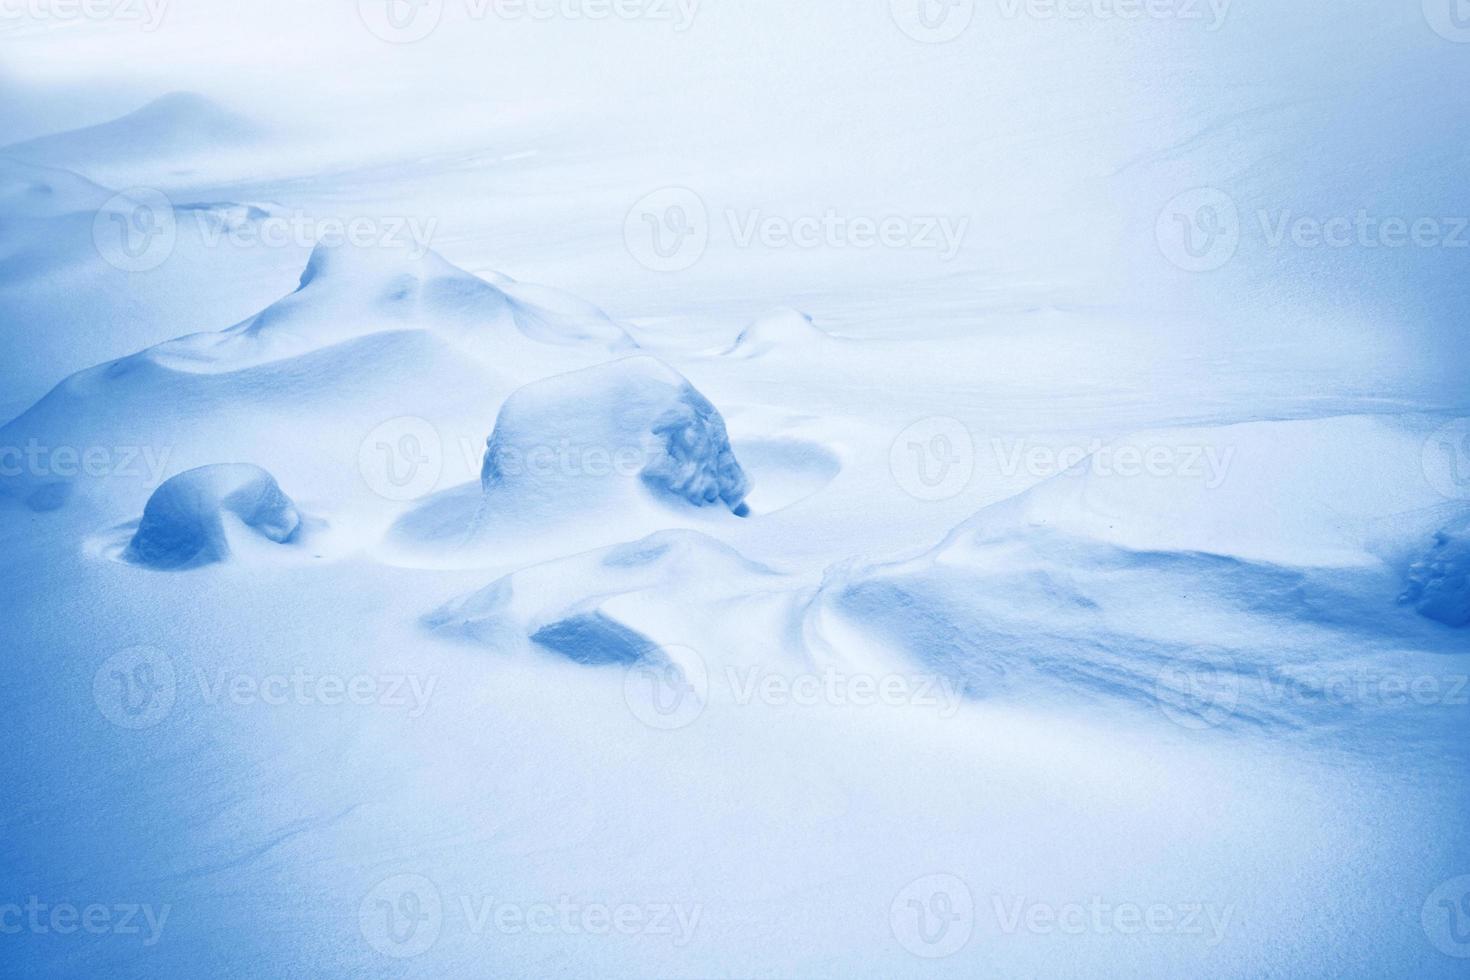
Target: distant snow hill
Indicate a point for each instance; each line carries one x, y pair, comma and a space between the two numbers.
174, 128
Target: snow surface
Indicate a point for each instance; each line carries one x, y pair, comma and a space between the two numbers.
1031, 607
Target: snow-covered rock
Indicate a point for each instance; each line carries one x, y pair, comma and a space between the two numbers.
1439, 583
633, 417
184, 523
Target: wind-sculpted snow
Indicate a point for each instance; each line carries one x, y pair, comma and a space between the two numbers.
617, 604
1100, 585
783, 329
184, 524
1439, 583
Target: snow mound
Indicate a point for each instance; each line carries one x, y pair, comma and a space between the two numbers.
1439, 583
1344, 490
347, 292
174, 128
27, 190
183, 525
637, 413
781, 328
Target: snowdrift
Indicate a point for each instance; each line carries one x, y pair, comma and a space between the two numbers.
1139, 578
173, 129
782, 329
614, 604
368, 336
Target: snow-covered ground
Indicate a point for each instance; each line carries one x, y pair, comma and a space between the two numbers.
665, 489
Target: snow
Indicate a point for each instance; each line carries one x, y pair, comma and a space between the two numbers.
183, 524
409, 571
